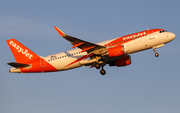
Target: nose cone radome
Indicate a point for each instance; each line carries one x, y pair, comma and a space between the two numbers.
172, 36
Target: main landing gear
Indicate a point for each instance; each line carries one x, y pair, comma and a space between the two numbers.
102, 71
156, 54
98, 66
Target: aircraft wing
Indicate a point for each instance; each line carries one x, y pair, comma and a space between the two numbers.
84, 45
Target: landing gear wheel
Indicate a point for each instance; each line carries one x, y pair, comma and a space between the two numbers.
97, 66
103, 72
156, 54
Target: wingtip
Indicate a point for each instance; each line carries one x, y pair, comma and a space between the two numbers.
59, 31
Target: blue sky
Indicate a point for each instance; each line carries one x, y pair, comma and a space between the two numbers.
148, 85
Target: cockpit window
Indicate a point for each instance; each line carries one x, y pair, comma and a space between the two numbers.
162, 31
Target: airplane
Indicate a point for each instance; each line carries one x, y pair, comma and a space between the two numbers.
115, 52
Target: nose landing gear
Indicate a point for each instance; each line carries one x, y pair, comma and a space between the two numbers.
156, 54
158, 46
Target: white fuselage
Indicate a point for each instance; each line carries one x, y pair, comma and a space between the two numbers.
62, 60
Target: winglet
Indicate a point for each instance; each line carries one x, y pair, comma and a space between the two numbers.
59, 31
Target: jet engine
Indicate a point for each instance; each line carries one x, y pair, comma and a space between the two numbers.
117, 51
123, 61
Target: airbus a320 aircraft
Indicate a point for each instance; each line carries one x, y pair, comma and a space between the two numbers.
114, 52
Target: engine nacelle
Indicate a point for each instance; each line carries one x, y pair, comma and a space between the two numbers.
123, 61
117, 51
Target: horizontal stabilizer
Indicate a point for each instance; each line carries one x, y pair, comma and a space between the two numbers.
14, 64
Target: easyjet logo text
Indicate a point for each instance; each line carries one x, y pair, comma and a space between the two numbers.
21, 50
135, 35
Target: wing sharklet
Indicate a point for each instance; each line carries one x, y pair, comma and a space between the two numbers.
59, 31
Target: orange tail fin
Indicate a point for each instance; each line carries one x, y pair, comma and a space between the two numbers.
21, 53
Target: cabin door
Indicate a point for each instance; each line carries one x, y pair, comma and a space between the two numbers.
42, 63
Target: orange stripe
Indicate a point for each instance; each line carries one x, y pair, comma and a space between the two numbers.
82, 58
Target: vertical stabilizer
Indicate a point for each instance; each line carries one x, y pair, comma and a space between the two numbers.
21, 53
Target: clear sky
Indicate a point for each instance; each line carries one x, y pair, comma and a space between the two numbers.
148, 85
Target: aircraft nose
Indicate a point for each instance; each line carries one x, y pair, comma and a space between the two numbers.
172, 35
